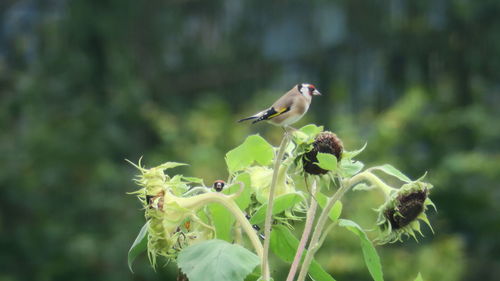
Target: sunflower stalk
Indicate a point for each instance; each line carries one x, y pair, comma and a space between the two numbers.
314, 245
311, 213
372, 179
268, 222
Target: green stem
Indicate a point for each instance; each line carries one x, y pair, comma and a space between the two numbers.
311, 213
267, 226
314, 244
325, 233
373, 179
226, 201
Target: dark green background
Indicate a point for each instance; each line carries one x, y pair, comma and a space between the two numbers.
85, 84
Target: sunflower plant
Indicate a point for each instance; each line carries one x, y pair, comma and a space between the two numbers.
238, 221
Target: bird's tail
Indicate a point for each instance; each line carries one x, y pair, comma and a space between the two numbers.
248, 118
257, 116
259, 119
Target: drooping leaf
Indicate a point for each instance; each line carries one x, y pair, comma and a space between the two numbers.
391, 170
327, 161
419, 277
222, 220
140, 245
254, 148
281, 203
336, 210
217, 260
370, 255
284, 245
352, 154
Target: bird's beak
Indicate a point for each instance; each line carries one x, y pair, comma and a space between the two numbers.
316, 93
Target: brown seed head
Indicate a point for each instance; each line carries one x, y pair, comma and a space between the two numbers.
409, 207
325, 142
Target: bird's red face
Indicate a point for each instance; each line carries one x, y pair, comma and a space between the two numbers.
308, 90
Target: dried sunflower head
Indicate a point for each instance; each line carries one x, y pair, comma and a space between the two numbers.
172, 220
399, 216
325, 142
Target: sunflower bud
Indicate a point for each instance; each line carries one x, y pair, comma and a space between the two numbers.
325, 142
401, 213
172, 220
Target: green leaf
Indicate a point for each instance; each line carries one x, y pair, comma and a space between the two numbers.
391, 170
311, 130
193, 179
419, 277
284, 245
244, 199
327, 161
170, 165
222, 220
307, 133
217, 260
336, 210
352, 154
370, 255
350, 168
281, 203
254, 148
261, 150
140, 245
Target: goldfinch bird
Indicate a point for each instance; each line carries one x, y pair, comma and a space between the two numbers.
289, 108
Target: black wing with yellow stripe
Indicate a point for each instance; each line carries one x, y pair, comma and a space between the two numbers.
271, 113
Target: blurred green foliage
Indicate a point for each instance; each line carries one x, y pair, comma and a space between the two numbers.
85, 84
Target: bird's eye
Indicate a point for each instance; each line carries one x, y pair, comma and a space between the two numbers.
311, 89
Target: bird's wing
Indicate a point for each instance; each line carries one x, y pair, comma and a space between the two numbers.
271, 113
284, 103
276, 112
281, 106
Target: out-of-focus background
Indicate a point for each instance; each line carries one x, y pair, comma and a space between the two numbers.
85, 84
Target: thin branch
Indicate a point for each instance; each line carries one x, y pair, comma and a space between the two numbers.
325, 233
311, 213
314, 244
267, 227
238, 214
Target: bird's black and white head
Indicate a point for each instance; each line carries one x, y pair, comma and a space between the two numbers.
308, 90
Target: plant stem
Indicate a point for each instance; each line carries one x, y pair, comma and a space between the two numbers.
229, 203
269, 212
314, 244
305, 234
325, 233
373, 179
